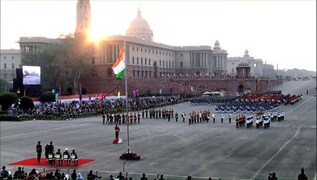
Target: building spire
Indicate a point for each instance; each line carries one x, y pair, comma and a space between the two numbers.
139, 13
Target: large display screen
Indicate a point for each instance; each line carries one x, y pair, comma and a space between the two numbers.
31, 75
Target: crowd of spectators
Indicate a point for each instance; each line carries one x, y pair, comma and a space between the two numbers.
76, 175
71, 108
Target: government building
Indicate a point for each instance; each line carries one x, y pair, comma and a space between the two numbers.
147, 59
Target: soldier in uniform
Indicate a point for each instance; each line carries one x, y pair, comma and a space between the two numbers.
123, 118
103, 119
139, 116
146, 111
213, 118
221, 118
134, 118
229, 118
302, 175
176, 116
183, 116
117, 130
39, 151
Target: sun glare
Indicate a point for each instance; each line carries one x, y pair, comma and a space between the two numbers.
95, 36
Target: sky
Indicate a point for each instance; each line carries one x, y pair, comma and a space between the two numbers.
281, 33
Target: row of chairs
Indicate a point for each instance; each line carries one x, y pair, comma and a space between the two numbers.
62, 160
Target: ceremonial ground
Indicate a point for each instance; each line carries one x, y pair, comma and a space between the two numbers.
178, 149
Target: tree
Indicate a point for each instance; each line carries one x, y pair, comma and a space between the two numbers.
7, 99
62, 63
3, 86
47, 97
26, 103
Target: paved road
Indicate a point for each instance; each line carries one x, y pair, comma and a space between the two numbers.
176, 148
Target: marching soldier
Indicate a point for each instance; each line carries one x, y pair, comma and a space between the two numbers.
229, 118
213, 118
146, 111
183, 116
123, 118
103, 119
176, 116
134, 118
139, 117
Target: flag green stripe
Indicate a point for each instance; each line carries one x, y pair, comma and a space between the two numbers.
120, 75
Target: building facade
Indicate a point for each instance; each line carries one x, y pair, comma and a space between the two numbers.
35, 44
255, 66
148, 59
10, 60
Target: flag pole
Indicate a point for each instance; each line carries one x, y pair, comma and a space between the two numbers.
126, 93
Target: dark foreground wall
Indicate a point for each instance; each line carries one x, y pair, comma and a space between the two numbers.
96, 84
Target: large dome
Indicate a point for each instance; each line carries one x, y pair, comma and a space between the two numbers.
140, 28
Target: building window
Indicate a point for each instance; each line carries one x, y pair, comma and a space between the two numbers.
156, 51
145, 61
169, 64
133, 61
181, 54
4, 57
12, 57
160, 62
4, 65
172, 64
137, 60
160, 52
141, 61
133, 48
144, 50
141, 49
150, 62
137, 49
12, 65
152, 51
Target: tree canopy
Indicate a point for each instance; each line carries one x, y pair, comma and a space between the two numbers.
62, 63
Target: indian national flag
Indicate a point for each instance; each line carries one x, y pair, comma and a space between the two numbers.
119, 66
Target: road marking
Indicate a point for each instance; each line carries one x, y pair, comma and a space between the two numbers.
265, 164
299, 105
